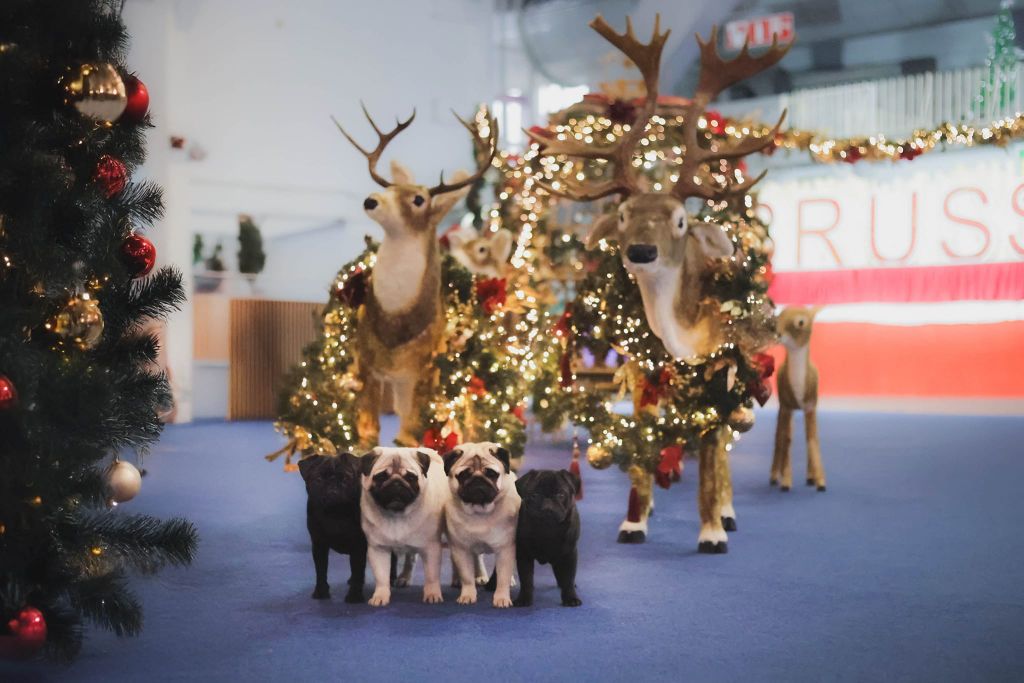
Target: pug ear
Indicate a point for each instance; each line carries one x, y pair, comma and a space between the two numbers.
525, 482
367, 462
308, 465
572, 479
503, 457
450, 458
424, 459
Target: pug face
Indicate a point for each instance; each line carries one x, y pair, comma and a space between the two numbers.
549, 496
331, 480
477, 473
394, 476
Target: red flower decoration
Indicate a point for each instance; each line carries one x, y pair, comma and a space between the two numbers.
670, 469
654, 390
111, 175
477, 386
765, 363
491, 293
353, 292
520, 412
432, 439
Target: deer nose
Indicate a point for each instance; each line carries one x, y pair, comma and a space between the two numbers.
642, 253
369, 203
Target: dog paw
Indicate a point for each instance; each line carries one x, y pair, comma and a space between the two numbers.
571, 601
632, 537
321, 592
466, 599
523, 601
378, 600
432, 597
502, 602
401, 581
354, 596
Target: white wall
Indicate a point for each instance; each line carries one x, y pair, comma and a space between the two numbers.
253, 83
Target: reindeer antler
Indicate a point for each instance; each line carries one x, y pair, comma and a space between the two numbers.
647, 57
489, 148
716, 75
372, 157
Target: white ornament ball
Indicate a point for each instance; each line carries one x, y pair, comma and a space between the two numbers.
124, 481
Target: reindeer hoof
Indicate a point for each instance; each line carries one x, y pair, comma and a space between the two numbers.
729, 523
773, 482
821, 488
713, 548
810, 482
784, 489
632, 537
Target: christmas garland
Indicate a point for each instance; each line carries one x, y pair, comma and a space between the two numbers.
484, 370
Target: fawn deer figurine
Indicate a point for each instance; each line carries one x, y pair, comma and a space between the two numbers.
665, 252
798, 390
400, 326
484, 254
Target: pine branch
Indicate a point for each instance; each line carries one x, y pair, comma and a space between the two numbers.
107, 601
143, 542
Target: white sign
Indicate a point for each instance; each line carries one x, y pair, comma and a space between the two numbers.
946, 209
759, 31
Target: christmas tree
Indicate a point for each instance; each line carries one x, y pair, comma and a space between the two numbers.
999, 87
79, 383
251, 256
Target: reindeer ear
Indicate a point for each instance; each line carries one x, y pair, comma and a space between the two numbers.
814, 311
501, 245
400, 175
604, 228
712, 240
441, 204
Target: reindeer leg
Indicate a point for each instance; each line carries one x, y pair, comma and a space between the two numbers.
368, 409
783, 437
727, 511
713, 538
634, 528
405, 407
814, 448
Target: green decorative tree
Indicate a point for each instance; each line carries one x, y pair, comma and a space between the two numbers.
78, 377
251, 256
999, 88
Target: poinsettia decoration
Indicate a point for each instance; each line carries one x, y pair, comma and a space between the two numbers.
491, 293
432, 438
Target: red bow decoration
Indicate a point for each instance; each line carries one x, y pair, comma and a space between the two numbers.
565, 366
760, 389
562, 326
653, 391
765, 362
477, 386
442, 444
670, 469
491, 293
353, 292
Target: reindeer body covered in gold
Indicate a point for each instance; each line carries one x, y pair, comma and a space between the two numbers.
665, 252
400, 327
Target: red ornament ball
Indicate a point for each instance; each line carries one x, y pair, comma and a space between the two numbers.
138, 255
28, 634
138, 100
111, 175
8, 394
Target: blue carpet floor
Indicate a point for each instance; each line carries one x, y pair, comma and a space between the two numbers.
908, 568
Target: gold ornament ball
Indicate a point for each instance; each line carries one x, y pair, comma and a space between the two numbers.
96, 91
742, 419
124, 481
598, 457
79, 323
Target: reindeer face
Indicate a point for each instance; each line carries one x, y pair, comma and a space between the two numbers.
654, 234
795, 324
405, 209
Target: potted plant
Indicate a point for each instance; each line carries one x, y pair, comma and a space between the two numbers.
251, 257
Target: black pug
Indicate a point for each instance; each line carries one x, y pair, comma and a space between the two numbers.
332, 517
547, 531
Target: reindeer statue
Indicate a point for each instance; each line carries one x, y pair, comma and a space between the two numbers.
666, 253
403, 320
484, 254
798, 390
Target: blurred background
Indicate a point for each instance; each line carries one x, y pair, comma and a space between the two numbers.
917, 261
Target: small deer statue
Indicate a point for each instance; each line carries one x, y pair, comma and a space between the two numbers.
484, 254
664, 251
402, 322
798, 390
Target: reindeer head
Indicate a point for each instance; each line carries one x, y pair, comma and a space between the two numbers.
794, 325
404, 208
655, 234
484, 254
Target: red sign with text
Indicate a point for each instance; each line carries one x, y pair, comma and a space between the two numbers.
759, 31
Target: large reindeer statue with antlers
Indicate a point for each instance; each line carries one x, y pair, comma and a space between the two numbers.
666, 253
402, 322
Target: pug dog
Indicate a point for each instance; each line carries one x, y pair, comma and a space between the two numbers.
480, 516
403, 500
333, 519
548, 531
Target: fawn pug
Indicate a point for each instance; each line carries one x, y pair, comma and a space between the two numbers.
403, 501
480, 516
